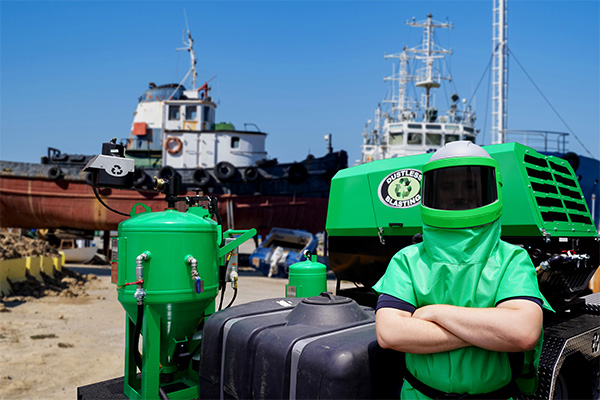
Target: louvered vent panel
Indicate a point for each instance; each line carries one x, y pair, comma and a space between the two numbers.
556, 191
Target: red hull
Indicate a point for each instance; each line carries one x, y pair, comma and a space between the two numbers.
42, 203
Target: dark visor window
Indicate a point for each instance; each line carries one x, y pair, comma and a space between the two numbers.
459, 188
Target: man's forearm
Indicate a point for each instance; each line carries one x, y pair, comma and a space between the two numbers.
514, 326
397, 330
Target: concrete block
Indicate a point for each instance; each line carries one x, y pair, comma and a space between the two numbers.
15, 270
47, 265
34, 266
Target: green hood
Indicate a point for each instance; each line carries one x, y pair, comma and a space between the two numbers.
461, 246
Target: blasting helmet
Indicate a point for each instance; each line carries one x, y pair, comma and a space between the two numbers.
461, 187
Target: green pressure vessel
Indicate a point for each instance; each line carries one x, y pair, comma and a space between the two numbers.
176, 289
307, 278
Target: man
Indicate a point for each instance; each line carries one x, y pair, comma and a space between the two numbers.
460, 300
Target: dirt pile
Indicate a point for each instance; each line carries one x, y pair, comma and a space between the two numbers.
13, 245
65, 283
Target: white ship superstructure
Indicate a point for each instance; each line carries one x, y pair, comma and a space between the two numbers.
174, 126
405, 125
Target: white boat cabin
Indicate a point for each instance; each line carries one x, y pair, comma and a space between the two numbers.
413, 137
177, 128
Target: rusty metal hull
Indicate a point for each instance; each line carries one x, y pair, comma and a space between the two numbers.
35, 202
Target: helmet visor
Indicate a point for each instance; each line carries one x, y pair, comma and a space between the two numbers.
459, 188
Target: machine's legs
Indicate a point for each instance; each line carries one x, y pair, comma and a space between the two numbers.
146, 385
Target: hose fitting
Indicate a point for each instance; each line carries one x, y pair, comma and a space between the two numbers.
234, 279
195, 275
140, 293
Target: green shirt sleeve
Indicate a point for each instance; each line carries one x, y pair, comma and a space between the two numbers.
519, 278
397, 280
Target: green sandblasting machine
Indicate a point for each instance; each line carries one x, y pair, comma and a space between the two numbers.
166, 267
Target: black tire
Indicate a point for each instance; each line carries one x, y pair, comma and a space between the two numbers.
55, 172
251, 174
224, 171
89, 178
201, 177
167, 172
139, 177
297, 173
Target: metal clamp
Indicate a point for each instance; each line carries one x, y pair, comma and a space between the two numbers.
380, 234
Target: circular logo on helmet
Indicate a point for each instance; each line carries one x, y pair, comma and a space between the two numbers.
401, 189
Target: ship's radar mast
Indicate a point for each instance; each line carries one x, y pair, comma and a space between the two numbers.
189, 43
428, 52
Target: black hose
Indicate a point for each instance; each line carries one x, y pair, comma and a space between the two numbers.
233, 299
162, 394
95, 189
136, 337
223, 283
222, 297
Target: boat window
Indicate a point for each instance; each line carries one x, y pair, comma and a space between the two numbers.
235, 142
415, 138
431, 126
415, 126
173, 113
452, 138
468, 129
396, 138
191, 113
205, 113
451, 128
395, 128
469, 138
433, 139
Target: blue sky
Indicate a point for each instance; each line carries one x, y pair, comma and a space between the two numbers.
71, 72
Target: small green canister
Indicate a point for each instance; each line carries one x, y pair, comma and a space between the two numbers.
307, 278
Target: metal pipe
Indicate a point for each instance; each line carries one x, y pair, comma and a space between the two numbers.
195, 275
140, 293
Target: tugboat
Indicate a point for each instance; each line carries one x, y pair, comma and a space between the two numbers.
174, 132
404, 125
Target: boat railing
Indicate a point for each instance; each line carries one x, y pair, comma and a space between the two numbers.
547, 141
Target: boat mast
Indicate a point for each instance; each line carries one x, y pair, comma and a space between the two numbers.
399, 104
428, 52
190, 49
499, 72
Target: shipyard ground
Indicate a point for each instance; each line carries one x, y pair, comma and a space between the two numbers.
50, 346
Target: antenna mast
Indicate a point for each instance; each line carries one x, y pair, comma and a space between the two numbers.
190, 48
429, 77
500, 72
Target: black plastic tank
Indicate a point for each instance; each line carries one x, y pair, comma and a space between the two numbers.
317, 347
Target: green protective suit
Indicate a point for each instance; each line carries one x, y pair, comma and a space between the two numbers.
468, 267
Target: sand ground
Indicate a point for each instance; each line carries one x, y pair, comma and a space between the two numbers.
51, 345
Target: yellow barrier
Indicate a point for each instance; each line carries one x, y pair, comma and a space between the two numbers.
59, 261
34, 266
16, 269
47, 265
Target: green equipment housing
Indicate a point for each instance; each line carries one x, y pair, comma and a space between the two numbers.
167, 267
374, 211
